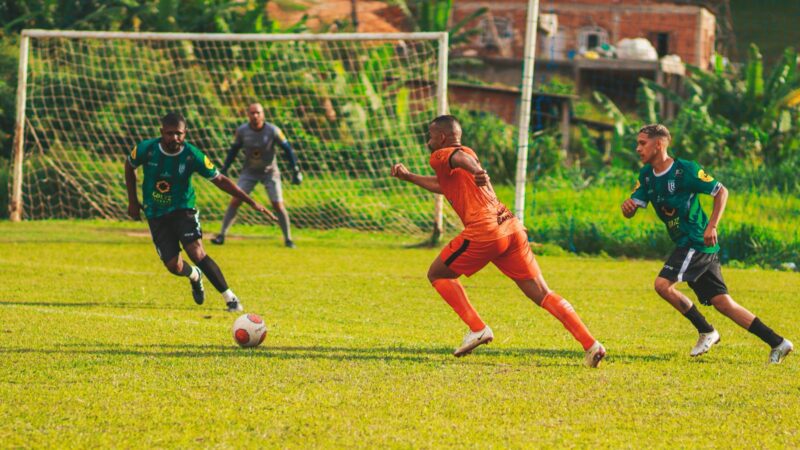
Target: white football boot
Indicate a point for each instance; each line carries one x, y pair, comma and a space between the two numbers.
704, 343
778, 353
594, 355
474, 339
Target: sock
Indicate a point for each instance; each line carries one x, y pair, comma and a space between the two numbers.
453, 293
195, 275
563, 311
283, 221
214, 275
698, 320
765, 333
186, 271
229, 296
227, 220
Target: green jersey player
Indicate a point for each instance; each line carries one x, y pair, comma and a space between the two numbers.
169, 203
672, 186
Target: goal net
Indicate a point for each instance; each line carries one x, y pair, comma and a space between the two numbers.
350, 105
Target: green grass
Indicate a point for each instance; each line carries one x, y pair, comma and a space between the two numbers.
100, 347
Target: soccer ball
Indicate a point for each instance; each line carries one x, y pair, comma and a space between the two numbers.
249, 330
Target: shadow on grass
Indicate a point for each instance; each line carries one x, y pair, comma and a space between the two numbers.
112, 305
392, 353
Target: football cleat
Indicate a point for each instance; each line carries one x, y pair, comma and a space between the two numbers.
289, 243
234, 305
198, 292
778, 353
704, 343
474, 339
219, 240
594, 355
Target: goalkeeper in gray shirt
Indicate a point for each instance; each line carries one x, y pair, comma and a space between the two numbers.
258, 138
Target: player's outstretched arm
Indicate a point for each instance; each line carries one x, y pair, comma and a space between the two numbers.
461, 160
429, 183
629, 208
225, 184
720, 200
230, 157
133, 198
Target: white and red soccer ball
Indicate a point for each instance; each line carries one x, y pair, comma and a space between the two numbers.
249, 330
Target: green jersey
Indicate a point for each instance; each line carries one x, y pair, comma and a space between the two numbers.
167, 183
673, 194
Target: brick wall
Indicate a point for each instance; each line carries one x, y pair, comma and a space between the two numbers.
690, 30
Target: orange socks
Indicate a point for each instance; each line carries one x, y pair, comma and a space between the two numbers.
563, 311
453, 293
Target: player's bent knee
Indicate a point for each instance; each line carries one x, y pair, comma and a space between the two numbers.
173, 266
662, 286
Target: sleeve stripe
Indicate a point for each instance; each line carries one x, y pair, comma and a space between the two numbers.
716, 189
640, 203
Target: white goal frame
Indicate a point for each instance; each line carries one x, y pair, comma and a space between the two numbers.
15, 203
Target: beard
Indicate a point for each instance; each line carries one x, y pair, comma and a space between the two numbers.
173, 147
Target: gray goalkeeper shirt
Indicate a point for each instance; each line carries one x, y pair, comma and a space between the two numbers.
259, 147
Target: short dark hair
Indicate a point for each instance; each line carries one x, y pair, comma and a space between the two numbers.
445, 121
173, 119
656, 130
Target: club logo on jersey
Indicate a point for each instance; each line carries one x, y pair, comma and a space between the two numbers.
182, 168
669, 212
704, 176
209, 165
671, 186
163, 186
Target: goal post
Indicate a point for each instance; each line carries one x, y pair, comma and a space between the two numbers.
351, 104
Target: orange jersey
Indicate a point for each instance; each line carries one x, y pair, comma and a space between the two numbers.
483, 216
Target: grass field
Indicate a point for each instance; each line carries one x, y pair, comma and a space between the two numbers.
100, 347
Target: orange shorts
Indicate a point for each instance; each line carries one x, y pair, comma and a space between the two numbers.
511, 254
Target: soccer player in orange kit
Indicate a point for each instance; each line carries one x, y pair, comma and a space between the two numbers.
491, 234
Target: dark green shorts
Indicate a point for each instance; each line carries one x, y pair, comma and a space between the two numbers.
701, 270
173, 229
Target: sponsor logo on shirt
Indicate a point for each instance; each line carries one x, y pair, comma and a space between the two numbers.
163, 186
704, 176
133, 153
669, 212
209, 165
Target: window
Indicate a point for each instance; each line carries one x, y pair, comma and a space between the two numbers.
591, 37
661, 42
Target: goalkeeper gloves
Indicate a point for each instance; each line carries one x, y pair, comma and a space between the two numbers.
297, 176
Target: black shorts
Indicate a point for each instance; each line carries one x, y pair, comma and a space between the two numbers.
701, 270
168, 230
